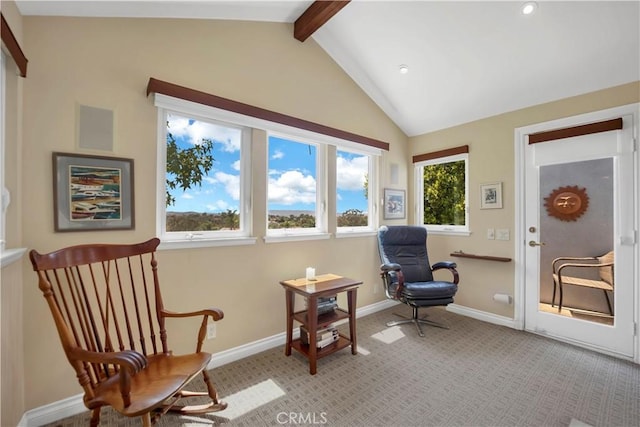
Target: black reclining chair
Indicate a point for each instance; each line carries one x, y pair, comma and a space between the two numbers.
407, 275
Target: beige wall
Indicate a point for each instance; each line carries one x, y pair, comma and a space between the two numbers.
107, 63
12, 388
491, 159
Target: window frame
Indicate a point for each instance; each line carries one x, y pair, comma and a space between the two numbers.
372, 190
321, 228
177, 239
4, 193
419, 195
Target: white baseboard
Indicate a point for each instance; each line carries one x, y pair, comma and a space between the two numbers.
482, 315
54, 411
74, 405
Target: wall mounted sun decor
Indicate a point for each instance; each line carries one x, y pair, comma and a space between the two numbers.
567, 203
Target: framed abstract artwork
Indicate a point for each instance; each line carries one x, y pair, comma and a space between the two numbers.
92, 192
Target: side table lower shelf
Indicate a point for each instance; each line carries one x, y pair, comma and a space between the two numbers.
342, 342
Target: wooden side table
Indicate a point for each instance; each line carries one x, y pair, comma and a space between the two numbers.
326, 285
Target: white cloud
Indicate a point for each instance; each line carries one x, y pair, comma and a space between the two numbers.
231, 184
292, 187
219, 205
351, 172
196, 131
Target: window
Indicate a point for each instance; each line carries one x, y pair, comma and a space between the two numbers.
441, 184
295, 192
354, 173
205, 149
205, 175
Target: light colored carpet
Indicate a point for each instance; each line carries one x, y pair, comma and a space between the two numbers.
474, 374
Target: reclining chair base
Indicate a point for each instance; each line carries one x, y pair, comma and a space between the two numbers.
417, 321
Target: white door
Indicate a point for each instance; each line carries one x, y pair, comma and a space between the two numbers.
595, 173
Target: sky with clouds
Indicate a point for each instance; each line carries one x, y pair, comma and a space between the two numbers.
291, 172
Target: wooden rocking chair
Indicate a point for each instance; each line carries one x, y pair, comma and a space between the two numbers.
106, 304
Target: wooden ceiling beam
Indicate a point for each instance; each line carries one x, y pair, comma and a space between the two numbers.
315, 17
13, 47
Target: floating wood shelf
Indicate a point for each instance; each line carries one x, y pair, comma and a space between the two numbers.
485, 257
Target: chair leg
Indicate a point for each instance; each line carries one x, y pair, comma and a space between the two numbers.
417, 321
95, 418
213, 394
608, 302
146, 420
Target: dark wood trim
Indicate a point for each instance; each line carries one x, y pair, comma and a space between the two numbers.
605, 126
482, 257
170, 89
442, 153
315, 17
12, 45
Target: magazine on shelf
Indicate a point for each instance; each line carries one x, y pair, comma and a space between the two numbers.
325, 304
324, 336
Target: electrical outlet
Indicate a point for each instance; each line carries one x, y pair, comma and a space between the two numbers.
211, 330
491, 233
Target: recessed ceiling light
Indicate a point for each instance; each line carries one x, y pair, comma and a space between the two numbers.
404, 69
529, 7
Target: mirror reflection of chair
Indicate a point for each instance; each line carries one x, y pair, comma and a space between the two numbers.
602, 265
407, 274
107, 308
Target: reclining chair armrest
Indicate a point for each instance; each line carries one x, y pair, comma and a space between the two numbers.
449, 265
130, 363
386, 269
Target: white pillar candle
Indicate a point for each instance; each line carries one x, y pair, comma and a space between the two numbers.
311, 273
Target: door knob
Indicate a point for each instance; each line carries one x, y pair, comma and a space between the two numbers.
533, 243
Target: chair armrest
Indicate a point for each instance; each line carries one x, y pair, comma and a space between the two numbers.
215, 313
390, 267
555, 262
129, 361
449, 265
574, 264
385, 269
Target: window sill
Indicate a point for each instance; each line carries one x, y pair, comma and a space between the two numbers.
9, 256
341, 234
450, 232
295, 237
206, 243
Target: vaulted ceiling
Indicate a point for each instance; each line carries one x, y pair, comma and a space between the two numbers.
465, 60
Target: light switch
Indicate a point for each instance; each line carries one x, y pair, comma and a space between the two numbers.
502, 234
491, 233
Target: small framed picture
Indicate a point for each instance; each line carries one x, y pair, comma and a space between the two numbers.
92, 192
491, 195
394, 204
